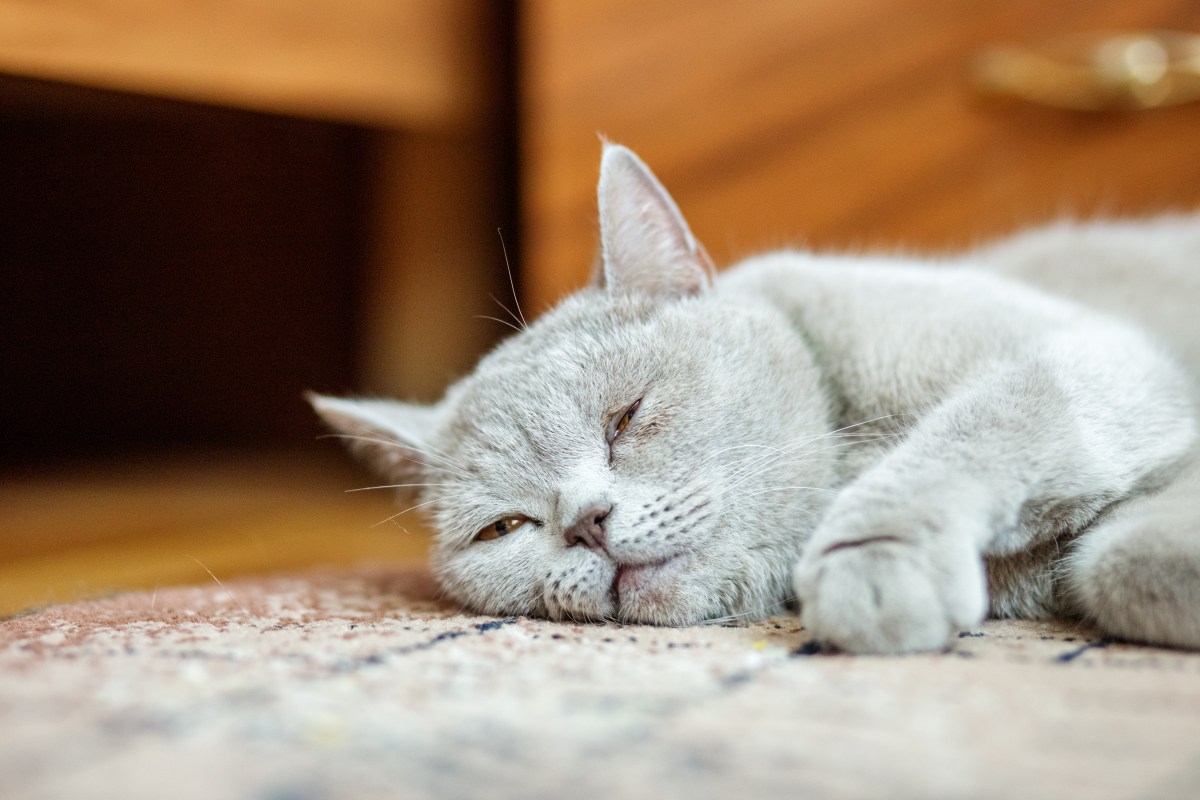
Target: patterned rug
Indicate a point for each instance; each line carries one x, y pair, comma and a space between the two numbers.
361, 683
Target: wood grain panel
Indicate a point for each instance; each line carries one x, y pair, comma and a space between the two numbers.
840, 123
388, 62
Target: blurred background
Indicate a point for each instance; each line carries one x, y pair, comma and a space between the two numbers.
207, 209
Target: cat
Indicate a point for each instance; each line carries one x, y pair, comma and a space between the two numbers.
896, 446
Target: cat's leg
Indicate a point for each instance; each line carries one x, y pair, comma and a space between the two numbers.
1086, 419
1137, 573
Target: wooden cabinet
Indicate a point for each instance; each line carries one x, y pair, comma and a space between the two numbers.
827, 123
244, 199
265, 179
392, 63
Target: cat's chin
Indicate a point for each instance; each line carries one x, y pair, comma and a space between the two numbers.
652, 593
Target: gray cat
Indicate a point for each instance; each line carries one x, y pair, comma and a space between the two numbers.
901, 446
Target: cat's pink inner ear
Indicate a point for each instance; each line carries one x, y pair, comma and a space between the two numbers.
386, 436
646, 245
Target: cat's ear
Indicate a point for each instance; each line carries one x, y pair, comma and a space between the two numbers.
646, 246
389, 437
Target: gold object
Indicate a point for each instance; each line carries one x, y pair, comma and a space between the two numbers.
1097, 72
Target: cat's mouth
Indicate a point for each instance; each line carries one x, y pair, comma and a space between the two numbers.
646, 587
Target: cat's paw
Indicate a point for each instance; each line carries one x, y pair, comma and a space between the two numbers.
884, 594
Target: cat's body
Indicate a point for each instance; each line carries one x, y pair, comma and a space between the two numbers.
899, 444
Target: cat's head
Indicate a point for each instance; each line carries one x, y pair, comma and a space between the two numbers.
637, 453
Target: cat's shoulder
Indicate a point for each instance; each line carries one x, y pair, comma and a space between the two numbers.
829, 281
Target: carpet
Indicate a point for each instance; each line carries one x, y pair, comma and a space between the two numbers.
362, 683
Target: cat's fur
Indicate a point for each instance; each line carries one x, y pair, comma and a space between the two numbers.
903, 446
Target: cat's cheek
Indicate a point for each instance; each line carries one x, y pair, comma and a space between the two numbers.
578, 585
495, 577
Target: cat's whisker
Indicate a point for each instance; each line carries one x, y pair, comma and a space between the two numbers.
402, 513
370, 435
497, 319
789, 505
511, 283
880, 418
753, 469
712, 456
750, 459
457, 471
738, 616
427, 465
771, 460
848, 431
777, 454
400, 527
738, 476
787, 488
507, 310
232, 596
786, 447
398, 486
428, 449
845, 432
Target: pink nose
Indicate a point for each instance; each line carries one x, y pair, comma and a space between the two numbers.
588, 529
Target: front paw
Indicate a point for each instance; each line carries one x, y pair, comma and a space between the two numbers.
884, 594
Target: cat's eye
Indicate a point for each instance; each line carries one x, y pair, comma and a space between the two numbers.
619, 423
501, 527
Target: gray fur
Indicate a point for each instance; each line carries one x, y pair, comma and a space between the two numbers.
900, 445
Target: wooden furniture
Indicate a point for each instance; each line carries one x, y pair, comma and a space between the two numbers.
394, 63
425, 74
425, 81
827, 123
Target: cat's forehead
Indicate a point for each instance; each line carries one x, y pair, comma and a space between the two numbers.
535, 403
558, 376
586, 341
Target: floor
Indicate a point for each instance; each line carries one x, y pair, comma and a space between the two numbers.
97, 527
358, 682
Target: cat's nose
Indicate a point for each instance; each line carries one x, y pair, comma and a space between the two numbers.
589, 528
